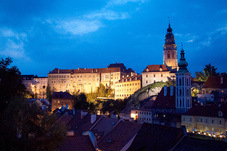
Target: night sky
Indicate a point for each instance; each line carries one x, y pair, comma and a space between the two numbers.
41, 35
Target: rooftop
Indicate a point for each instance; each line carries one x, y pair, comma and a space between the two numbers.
156, 68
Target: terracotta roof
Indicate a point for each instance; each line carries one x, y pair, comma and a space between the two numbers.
103, 127
61, 95
215, 82
165, 101
85, 70
121, 65
81, 125
156, 137
155, 68
131, 78
119, 136
147, 106
78, 143
190, 143
209, 110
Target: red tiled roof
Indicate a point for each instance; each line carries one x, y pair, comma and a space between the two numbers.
103, 127
156, 137
155, 68
119, 136
81, 125
131, 78
85, 70
165, 101
215, 82
78, 143
208, 111
191, 143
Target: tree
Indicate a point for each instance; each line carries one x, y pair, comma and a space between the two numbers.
11, 85
208, 71
49, 94
80, 101
28, 128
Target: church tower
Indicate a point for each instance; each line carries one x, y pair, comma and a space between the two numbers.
183, 100
170, 50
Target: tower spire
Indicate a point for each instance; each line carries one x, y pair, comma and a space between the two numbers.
183, 63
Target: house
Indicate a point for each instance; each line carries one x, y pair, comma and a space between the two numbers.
62, 99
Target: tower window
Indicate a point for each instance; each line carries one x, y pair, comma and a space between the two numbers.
168, 55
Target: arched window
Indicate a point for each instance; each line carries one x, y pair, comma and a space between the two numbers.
168, 55
180, 102
180, 92
180, 82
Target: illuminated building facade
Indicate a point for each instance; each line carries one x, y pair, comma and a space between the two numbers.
39, 87
208, 120
170, 50
87, 80
127, 86
166, 71
35, 85
156, 73
62, 99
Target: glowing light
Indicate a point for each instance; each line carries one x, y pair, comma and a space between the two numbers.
133, 116
209, 134
199, 133
204, 133
214, 135
220, 136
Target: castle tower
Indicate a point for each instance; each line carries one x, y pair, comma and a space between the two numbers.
183, 100
170, 50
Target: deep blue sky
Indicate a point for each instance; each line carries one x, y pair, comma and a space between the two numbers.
43, 34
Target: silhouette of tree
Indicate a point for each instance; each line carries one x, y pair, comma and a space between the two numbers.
208, 71
11, 85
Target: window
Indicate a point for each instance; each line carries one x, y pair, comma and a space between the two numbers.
212, 121
168, 55
190, 119
220, 122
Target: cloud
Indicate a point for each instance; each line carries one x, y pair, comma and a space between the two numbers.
188, 38
120, 2
8, 33
214, 35
12, 44
107, 14
75, 26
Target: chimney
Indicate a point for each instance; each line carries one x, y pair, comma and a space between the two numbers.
93, 118
58, 70
171, 90
221, 80
74, 111
70, 133
165, 90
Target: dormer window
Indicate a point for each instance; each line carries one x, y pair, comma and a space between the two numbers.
160, 69
220, 113
147, 69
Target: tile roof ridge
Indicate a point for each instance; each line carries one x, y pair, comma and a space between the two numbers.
96, 122
177, 143
77, 112
111, 130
